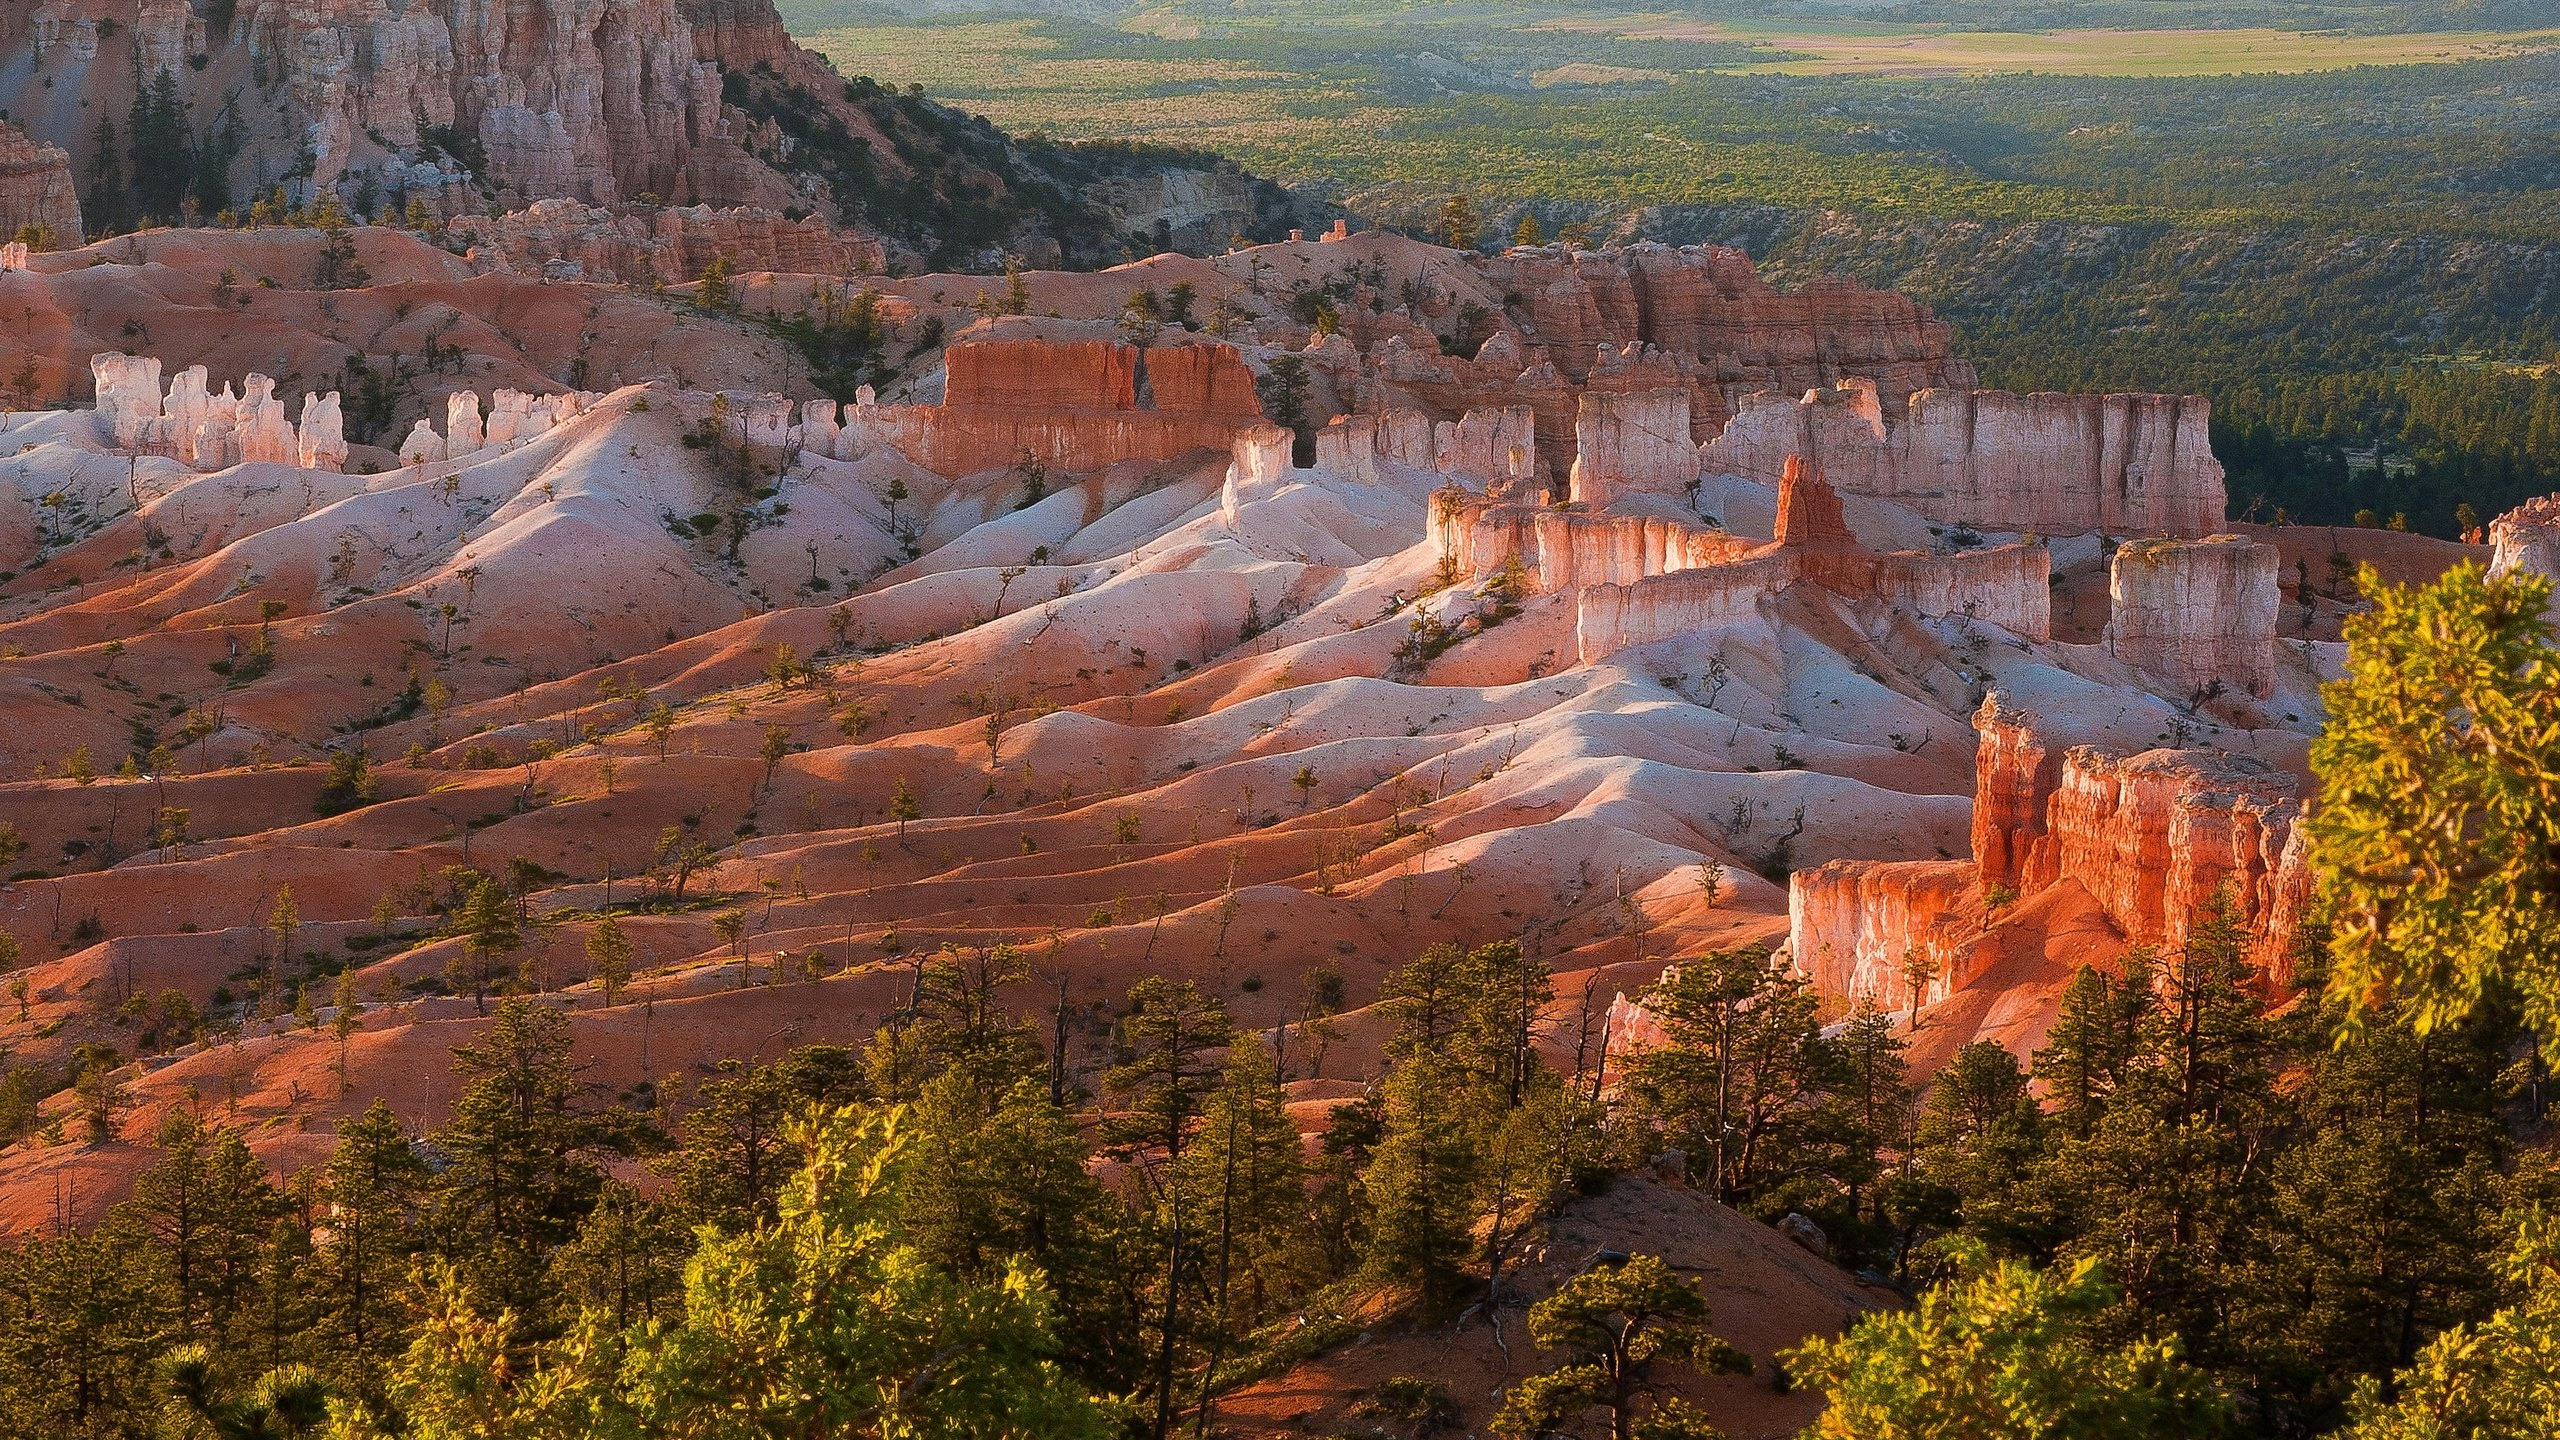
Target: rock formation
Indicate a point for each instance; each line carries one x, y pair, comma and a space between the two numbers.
36, 196
2153, 838
1072, 406
566, 240
2196, 614
2008, 585
1895, 931
1352, 445
1495, 449
2528, 538
2054, 464
1632, 442
1709, 303
215, 431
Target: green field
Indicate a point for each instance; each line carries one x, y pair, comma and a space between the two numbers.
1919, 50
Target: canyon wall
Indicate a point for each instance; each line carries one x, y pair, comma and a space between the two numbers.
1497, 449
1352, 445
2053, 464
2151, 838
1708, 302
36, 195
1566, 550
2194, 614
1651, 317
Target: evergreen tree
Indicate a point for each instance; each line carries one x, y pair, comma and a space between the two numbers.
1013, 1183
209, 1204
1243, 1179
2436, 839
1422, 1183
819, 1322
1625, 1325
1739, 1077
487, 927
81, 1322
517, 1175
2493, 1379
1160, 1086
372, 1186
163, 166
2003, 1352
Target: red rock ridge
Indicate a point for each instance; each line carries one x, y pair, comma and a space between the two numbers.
1072, 405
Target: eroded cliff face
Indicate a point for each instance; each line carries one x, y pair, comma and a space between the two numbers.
2055, 464
2195, 615
1709, 303
2152, 838
2008, 586
1073, 406
1899, 932
564, 239
36, 196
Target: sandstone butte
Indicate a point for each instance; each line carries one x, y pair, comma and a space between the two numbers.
1682, 612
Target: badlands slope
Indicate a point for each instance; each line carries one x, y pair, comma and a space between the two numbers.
1160, 706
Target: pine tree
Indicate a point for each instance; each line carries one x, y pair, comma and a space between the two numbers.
2090, 1051
1625, 1325
372, 1184
609, 958
1740, 1075
1422, 1183
162, 165
487, 927
1012, 1183
517, 1173
1159, 1087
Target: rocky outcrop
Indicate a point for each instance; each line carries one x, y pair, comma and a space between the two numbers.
2196, 615
1892, 931
2153, 837
1707, 302
211, 431
2150, 836
1565, 550
2528, 538
2008, 586
2015, 772
1041, 374
1352, 445
36, 195
1632, 442
2054, 464
1072, 406
1495, 449
564, 239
